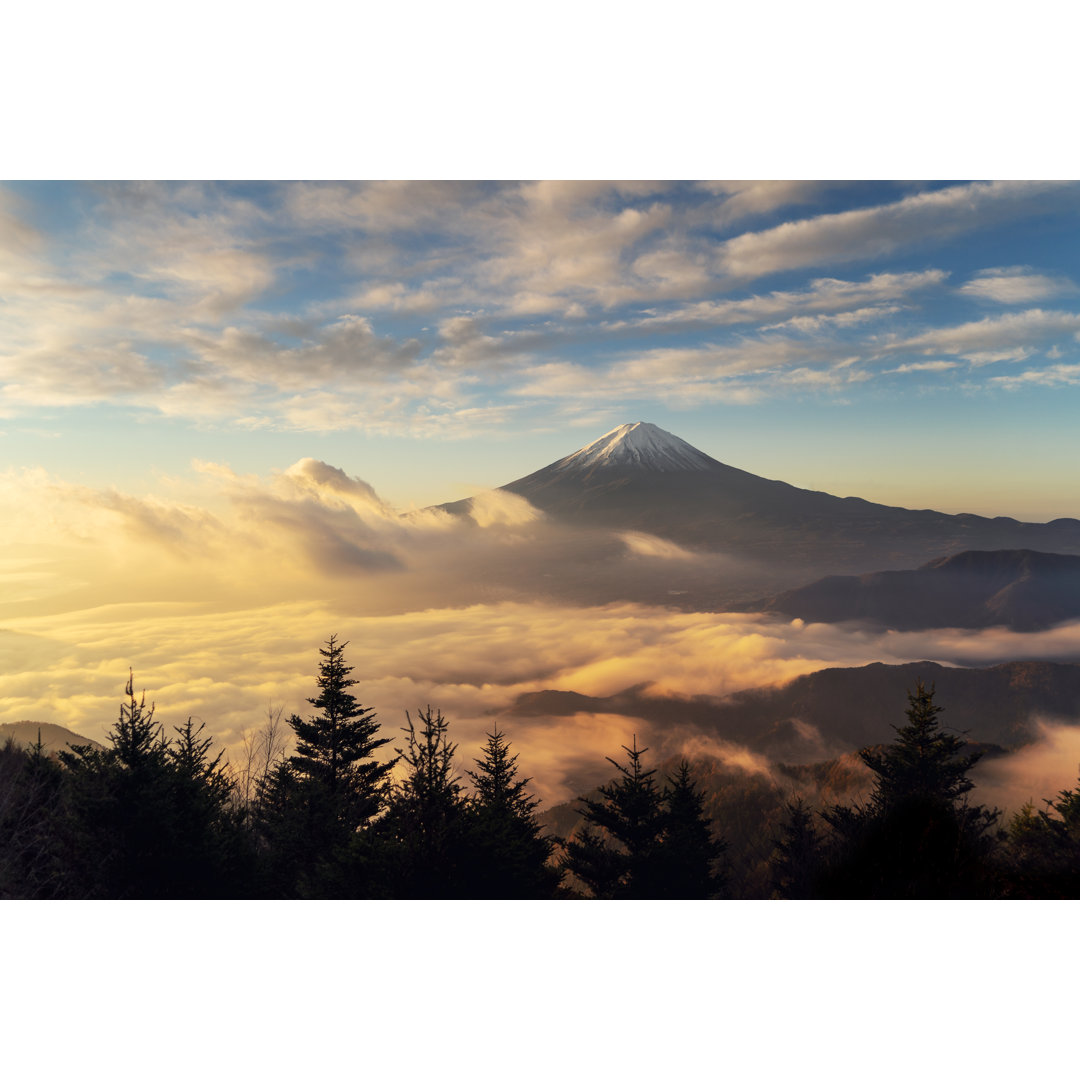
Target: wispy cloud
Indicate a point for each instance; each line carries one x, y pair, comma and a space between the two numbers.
923, 365
876, 231
822, 296
1053, 375
739, 199
1016, 285
991, 335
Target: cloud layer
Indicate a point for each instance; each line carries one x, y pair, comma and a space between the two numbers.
437, 308
220, 605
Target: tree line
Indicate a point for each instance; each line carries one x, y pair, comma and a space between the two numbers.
162, 816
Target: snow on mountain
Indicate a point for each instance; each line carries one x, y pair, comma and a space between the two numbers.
640, 444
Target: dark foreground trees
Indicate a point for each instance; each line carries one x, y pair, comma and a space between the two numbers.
311, 805
424, 828
30, 787
643, 843
508, 856
918, 838
148, 817
332, 824
798, 855
439, 842
158, 815
1042, 850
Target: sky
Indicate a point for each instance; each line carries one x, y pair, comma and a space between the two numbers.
911, 343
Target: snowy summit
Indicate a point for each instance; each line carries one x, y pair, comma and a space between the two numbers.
641, 445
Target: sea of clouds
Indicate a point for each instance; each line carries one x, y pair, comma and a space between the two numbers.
220, 594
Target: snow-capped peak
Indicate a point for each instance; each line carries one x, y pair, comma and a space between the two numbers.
640, 444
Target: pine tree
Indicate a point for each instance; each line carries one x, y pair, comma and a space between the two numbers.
190, 758
335, 747
138, 740
918, 838
147, 819
797, 856
310, 806
507, 857
119, 825
591, 859
631, 814
424, 827
211, 854
689, 853
30, 785
1042, 854
496, 783
923, 762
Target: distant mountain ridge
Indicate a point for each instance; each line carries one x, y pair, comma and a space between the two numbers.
836, 710
54, 738
1023, 590
641, 478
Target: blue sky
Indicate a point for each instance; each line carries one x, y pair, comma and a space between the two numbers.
914, 343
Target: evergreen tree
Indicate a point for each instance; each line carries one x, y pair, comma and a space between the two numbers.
147, 819
285, 832
212, 853
631, 814
797, 856
596, 864
1042, 852
424, 828
29, 794
496, 783
918, 838
310, 806
191, 760
118, 829
923, 763
689, 853
335, 747
506, 855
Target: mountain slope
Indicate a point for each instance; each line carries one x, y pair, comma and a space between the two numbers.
1023, 590
641, 478
53, 737
837, 710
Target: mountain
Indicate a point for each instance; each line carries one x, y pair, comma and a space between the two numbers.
53, 737
637, 446
1022, 590
837, 710
640, 478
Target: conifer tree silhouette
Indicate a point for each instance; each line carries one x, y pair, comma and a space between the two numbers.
1042, 853
797, 855
631, 814
335, 746
146, 819
689, 853
30, 791
311, 804
507, 856
918, 838
424, 825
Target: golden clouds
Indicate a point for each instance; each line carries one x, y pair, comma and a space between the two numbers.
221, 601
1033, 773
